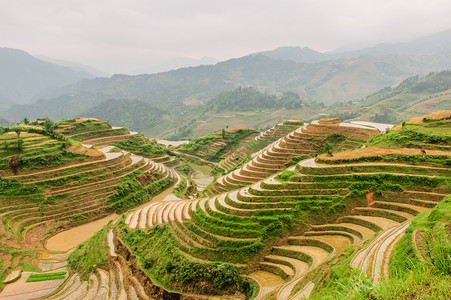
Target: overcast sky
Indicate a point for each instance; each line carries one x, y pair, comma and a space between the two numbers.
120, 36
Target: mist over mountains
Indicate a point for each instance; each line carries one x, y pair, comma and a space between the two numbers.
30, 87
23, 77
428, 45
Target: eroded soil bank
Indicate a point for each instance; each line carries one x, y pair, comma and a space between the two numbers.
71, 238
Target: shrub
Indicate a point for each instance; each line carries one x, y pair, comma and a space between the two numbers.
15, 163
285, 175
19, 144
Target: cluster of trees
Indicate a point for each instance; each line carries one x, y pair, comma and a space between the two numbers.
250, 99
135, 114
19, 140
47, 128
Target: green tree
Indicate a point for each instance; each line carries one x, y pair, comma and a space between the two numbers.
19, 144
25, 121
49, 125
64, 146
17, 130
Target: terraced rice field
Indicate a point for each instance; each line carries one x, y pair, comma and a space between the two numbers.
274, 229
191, 221
72, 192
21, 289
273, 158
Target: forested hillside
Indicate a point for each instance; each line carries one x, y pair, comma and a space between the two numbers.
250, 99
135, 114
242, 108
327, 82
413, 97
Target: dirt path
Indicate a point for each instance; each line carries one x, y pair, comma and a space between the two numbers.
308, 163
166, 143
305, 292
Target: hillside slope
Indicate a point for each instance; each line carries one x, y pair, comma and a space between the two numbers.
328, 82
413, 97
50, 182
23, 76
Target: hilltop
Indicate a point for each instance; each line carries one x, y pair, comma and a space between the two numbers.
135, 114
241, 108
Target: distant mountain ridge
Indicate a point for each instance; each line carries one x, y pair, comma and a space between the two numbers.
22, 76
78, 67
176, 63
328, 81
427, 45
297, 54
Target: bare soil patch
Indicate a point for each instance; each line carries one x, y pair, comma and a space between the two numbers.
329, 121
194, 102
267, 279
80, 120
71, 238
369, 198
433, 116
375, 151
30, 126
83, 150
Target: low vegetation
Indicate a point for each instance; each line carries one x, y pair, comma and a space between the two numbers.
213, 146
160, 258
143, 146
46, 276
90, 255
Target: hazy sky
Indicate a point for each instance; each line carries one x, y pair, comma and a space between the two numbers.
119, 36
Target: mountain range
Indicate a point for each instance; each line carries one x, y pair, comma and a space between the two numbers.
427, 45
321, 77
23, 76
